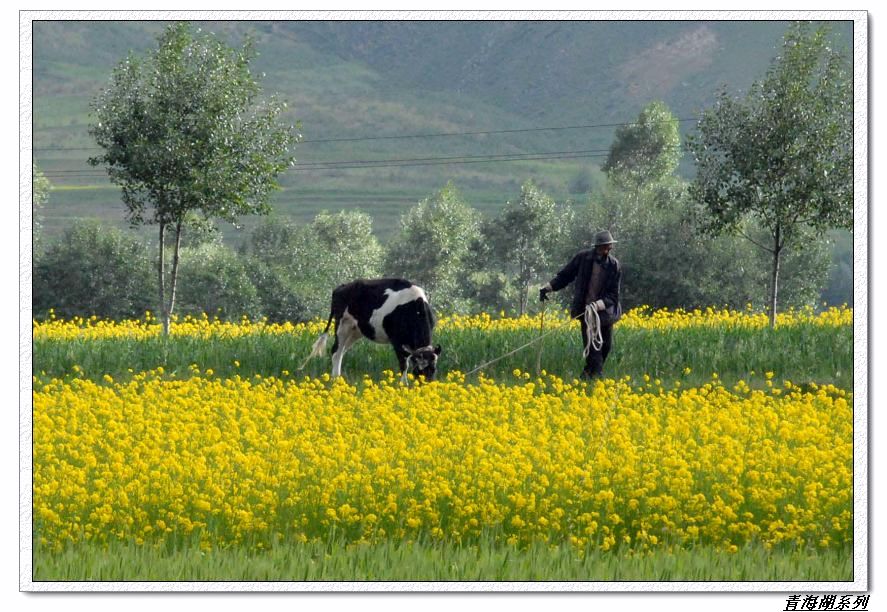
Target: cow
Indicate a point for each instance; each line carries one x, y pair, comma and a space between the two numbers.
385, 310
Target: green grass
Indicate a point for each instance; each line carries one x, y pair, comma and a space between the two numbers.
802, 354
399, 561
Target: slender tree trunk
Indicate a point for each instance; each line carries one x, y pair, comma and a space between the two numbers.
774, 278
522, 299
164, 314
522, 281
175, 269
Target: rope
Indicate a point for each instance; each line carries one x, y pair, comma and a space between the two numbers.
541, 331
594, 339
523, 346
405, 379
592, 321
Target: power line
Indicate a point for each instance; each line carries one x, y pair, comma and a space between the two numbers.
486, 132
565, 155
393, 163
320, 165
504, 156
432, 135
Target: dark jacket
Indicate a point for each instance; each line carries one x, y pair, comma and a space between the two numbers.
579, 269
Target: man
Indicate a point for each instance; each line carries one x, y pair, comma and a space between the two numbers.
598, 277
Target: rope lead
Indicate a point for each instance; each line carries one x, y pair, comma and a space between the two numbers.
406, 369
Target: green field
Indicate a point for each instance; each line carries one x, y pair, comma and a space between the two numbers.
792, 352
339, 561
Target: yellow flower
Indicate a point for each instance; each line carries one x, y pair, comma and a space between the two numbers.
534, 459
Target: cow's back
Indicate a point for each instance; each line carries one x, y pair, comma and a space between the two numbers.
363, 296
371, 301
413, 322
405, 318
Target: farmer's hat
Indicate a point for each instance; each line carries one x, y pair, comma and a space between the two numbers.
603, 237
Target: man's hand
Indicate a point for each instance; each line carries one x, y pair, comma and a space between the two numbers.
599, 305
543, 294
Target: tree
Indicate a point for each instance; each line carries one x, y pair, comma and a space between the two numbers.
664, 261
433, 246
278, 295
215, 281
525, 237
839, 288
296, 268
645, 151
487, 289
642, 154
346, 241
667, 264
271, 242
333, 249
93, 270
269, 253
782, 157
40, 195
584, 180
184, 131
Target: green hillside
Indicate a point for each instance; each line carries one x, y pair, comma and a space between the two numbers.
371, 80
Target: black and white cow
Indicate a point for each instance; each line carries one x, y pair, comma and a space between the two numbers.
386, 310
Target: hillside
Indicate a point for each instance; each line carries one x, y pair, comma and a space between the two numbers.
367, 80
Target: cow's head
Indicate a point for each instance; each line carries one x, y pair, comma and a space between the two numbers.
423, 361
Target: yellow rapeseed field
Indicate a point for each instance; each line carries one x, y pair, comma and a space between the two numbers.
638, 318
262, 461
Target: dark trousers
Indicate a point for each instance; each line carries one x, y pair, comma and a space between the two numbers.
594, 363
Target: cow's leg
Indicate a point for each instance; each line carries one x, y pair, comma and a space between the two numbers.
347, 334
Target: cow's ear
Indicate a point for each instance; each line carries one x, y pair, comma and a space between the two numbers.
407, 349
437, 350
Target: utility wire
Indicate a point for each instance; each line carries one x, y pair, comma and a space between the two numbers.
434, 135
359, 162
320, 166
383, 163
504, 156
516, 131
393, 163
72, 174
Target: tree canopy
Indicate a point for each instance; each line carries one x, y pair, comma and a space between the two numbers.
781, 157
433, 245
39, 196
524, 237
184, 130
645, 150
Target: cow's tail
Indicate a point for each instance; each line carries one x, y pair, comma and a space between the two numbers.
319, 346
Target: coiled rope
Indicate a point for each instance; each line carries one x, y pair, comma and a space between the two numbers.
594, 339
